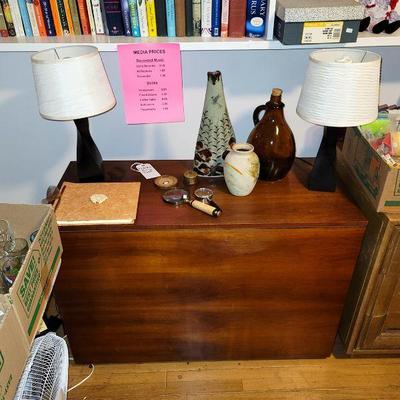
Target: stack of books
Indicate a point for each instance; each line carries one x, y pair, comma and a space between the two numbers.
138, 18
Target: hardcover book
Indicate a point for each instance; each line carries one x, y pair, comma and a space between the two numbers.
48, 18
206, 10
224, 18
269, 28
216, 17
97, 17
75, 17
16, 18
75, 206
91, 17
126, 17
196, 15
40, 18
170, 9
23, 9
255, 18
32, 18
151, 18
56, 17
6, 29
180, 18
69, 17
189, 17
142, 14
161, 17
133, 13
113, 16
84, 17
237, 18
63, 17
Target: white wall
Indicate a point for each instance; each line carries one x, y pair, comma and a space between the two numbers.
34, 152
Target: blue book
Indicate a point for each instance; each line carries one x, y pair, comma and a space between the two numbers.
170, 11
48, 18
133, 12
216, 6
25, 18
126, 17
255, 18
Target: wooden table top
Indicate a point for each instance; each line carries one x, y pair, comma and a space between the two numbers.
284, 204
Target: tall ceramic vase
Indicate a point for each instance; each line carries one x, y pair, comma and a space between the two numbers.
216, 132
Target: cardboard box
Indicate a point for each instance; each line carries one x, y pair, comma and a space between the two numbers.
317, 21
25, 304
380, 181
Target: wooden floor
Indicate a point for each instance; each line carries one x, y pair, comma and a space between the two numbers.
332, 379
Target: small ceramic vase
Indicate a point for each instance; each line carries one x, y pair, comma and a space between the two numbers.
241, 169
216, 131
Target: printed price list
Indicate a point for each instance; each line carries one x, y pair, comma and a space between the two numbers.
153, 83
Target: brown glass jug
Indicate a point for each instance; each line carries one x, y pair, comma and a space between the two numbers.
272, 139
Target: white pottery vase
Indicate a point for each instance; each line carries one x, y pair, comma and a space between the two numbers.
241, 169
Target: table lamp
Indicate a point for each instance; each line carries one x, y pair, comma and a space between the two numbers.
341, 89
71, 84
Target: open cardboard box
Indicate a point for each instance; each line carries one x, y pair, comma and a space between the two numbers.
23, 307
380, 181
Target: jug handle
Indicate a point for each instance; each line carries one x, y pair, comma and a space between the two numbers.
256, 113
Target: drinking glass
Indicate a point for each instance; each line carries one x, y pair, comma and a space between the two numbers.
15, 253
6, 236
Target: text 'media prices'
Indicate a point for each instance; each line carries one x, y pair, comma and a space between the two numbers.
151, 76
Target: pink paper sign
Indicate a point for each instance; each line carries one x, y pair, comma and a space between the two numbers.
151, 82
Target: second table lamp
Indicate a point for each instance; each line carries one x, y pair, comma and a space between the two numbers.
72, 84
341, 89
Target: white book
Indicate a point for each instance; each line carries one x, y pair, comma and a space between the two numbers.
16, 16
32, 17
142, 14
91, 18
224, 18
97, 16
206, 6
270, 20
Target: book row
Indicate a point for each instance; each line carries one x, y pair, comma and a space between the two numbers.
138, 18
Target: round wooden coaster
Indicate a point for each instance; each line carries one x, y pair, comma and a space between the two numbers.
166, 181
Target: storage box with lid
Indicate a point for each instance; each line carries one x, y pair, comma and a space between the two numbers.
22, 309
317, 21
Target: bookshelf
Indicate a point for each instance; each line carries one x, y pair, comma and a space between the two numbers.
109, 43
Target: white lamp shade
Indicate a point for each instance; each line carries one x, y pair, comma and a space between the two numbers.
71, 83
341, 88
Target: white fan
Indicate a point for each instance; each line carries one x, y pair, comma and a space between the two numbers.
46, 371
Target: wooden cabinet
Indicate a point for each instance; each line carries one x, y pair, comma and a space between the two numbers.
267, 279
371, 318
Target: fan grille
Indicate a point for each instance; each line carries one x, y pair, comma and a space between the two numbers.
46, 372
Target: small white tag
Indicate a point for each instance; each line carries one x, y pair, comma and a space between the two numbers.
147, 170
349, 30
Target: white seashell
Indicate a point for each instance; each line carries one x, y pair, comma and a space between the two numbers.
98, 198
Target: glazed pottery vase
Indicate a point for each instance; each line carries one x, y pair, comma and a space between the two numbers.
273, 139
216, 131
241, 169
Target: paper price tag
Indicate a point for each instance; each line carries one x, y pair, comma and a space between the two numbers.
147, 170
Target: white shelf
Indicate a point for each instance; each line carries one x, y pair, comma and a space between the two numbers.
109, 43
